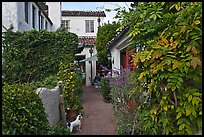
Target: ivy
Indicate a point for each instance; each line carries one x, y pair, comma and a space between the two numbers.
34, 55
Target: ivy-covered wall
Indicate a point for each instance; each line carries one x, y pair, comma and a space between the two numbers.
34, 55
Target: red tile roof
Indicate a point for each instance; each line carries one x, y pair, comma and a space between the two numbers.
83, 13
87, 40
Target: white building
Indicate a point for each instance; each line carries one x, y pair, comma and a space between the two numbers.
40, 15
120, 56
85, 25
31, 15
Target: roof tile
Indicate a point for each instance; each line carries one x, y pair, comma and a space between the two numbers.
83, 13
87, 40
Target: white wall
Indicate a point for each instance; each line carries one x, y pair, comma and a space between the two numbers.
14, 13
22, 24
50, 99
86, 53
77, 24
9, 16
54, 13
121, 44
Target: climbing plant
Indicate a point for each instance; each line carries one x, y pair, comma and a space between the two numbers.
34, 55
104, 35
169, 65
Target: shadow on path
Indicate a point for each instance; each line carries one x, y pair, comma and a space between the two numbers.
98, 117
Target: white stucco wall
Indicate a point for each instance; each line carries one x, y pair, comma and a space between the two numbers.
22, 24
86, 53
121, 44
9, 16
50, 99
77, 24
115, 53
54, 14
14, 13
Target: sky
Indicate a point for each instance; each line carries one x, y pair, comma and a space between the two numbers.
96, 6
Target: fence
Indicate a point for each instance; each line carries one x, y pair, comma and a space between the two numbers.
53, 103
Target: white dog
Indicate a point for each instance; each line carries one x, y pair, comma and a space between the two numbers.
76, 122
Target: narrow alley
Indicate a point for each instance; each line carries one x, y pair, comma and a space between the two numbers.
98, 117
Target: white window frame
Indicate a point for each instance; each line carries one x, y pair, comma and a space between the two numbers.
26, 10
66, 24
89, 26
34, 16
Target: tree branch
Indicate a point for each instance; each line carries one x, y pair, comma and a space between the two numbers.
175, 98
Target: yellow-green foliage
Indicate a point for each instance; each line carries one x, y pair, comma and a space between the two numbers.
71, 85
169, 36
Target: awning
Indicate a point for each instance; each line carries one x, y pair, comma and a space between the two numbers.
93, 58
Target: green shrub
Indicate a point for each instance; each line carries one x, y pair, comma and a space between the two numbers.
59, 131
105, 89
104, 35
49, 82
22, 111
34, 55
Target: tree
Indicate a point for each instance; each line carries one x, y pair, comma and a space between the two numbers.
104, 35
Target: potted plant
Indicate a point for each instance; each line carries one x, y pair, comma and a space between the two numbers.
73, 108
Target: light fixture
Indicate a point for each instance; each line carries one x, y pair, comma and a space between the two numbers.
109, 56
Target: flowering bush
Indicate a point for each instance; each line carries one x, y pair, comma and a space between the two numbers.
124, 101
71, 85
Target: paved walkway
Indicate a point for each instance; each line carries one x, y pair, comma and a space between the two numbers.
98, 117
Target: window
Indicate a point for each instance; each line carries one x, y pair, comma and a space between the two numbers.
66, 24
46, 25
34, 16
89, 26
42, 22
39, 20
39, 13
26, 11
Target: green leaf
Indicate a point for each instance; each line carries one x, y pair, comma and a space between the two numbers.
195, 101
165, 108
181, 126
168, 61
194, 112
197, 22
188, 130
188, 48
188, 112
178, 115
175, 64
173, 88
180, 121
197, 94
189, 98
199, 123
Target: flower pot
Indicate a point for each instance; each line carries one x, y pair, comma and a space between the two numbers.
71, 114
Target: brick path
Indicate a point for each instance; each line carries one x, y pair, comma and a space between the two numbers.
98, 117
